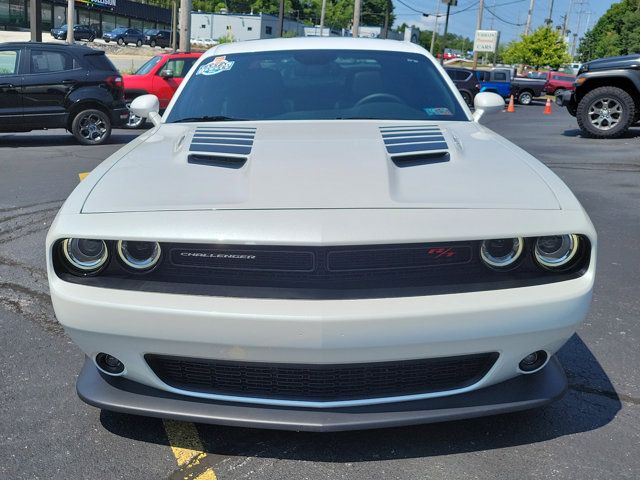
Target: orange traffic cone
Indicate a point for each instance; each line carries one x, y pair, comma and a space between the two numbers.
511, 108
547, 107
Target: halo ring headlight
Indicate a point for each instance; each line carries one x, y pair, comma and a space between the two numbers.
139, 255
556, 251
84, 254
501, 252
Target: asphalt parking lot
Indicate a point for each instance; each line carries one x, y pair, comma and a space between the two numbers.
592, 433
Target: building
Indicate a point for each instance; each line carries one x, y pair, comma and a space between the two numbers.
104, 15
240, 26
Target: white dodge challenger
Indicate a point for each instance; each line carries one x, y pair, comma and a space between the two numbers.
319, 235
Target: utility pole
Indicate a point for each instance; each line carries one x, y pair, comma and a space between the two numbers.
185, 26
281, 18
385, 28
35, 20
549, 20
357, 6
71, 20
446, 29
435, 28
174, 26
527, 28
565, 24
478, 27
322, 14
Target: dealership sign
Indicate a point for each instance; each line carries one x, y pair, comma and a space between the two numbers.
110, 4
486, 41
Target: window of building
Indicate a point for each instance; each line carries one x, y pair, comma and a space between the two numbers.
47, 61
8, 62
59, 16
268, 30
108, 22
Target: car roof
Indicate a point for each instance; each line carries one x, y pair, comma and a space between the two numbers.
313, 43
50, 45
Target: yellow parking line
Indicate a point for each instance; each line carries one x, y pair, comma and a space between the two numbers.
83, 175
187, 450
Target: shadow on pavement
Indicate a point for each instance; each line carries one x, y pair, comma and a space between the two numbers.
590, 403
576, 132
19, 140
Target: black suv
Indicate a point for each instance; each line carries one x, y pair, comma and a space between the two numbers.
161, 38
466, 82
52, 85
80, 32
606, 101
125, 36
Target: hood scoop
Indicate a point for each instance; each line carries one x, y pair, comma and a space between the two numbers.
227, 141
217, 161
419, 142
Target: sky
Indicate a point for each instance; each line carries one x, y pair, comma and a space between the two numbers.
512, 13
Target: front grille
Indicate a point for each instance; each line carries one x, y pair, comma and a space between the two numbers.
340, 382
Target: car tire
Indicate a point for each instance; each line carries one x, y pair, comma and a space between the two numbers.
525, 97
153, 44
139, 43
466, 96
134, 121
120, 41
91, 127
606, 112
106, 41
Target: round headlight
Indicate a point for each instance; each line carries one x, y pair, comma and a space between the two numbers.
556, 251
139, 255
501, 252
84, 254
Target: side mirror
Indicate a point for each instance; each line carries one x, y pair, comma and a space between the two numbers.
168, 73
487, 102
146, 106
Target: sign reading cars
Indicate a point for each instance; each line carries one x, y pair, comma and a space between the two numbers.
486, 41
111, 4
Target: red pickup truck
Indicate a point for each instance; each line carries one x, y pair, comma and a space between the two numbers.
557, 83
161, 76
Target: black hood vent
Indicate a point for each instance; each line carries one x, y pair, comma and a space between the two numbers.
223, 140
412, 140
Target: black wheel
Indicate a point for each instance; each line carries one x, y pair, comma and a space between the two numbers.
606, 112
139, 43
466, 96
525, 97
91, 127
106, 40
153, 43
120, 41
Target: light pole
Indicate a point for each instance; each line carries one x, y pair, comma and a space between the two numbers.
71, 14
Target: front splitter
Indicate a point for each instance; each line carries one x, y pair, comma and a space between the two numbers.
520, 393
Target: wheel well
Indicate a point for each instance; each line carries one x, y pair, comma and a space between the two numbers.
85, 105
527, 90
620, 82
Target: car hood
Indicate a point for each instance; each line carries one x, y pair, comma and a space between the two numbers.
341, 164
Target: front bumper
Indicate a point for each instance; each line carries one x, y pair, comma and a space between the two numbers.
568, 100
520, 393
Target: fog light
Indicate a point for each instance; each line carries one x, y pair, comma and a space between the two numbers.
109, 364
534, 361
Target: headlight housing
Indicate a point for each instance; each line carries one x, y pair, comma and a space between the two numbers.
501, 252
557, 251
85, 255
139, 256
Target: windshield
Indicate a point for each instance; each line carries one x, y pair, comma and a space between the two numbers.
119, 30
316, 85
151, 32
148, 66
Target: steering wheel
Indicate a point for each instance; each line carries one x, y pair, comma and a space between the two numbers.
376, 96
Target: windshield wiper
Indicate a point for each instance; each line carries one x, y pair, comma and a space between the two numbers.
209, 118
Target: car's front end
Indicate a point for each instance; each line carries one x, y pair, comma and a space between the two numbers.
59, 33
320, 274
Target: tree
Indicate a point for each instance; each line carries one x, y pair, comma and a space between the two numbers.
544, 47
617, 32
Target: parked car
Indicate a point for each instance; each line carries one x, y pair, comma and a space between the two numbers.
160, 38
161, 76
80, 32
606, 100
318, 235
60, 86
466, 82
124, 36
502, 82
558, 83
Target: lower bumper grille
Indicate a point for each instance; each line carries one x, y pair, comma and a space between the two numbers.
339, 382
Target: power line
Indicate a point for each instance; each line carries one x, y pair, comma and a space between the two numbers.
502, 19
